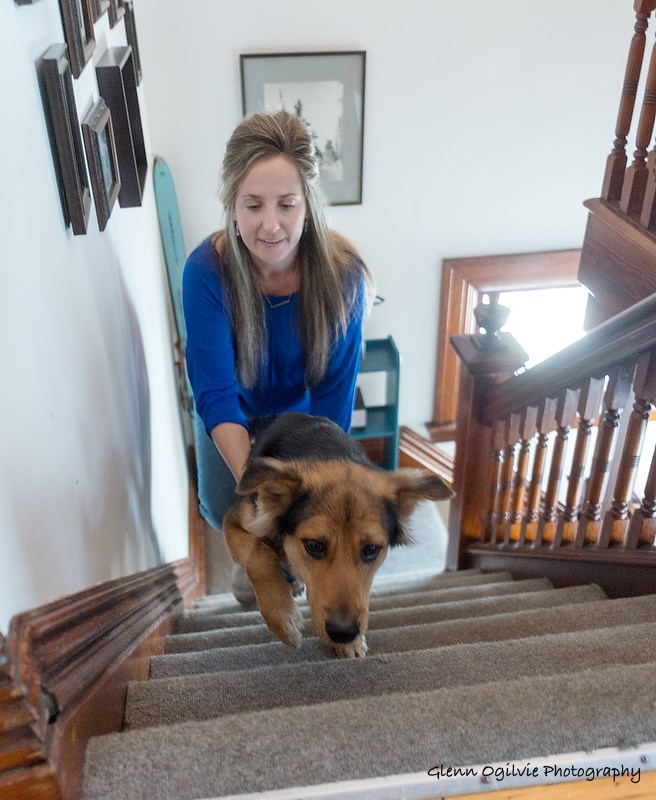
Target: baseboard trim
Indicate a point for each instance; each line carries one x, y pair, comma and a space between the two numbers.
620, 573
66, 668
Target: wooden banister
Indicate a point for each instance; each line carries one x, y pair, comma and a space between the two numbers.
513, 426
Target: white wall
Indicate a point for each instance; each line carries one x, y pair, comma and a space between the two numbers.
92, 474
486, 126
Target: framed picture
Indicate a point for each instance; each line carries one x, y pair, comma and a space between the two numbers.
66, 140
131, 35
98, 8
327, 91
117, 85
101, 158
78, 19
116, 11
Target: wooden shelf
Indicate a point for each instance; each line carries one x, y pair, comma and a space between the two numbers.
381, 355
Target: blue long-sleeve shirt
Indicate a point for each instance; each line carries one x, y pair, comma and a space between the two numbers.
210, 355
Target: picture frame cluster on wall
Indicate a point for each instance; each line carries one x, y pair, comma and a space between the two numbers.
325, 89
106, 153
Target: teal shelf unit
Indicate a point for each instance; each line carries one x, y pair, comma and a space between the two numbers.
382, 355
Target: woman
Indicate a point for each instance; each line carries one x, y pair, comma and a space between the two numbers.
274, 306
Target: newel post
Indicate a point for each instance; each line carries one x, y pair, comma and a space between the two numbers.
487, 358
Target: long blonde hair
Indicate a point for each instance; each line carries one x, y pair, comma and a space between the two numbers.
330, 266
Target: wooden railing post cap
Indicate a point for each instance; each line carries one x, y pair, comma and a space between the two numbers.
477, 360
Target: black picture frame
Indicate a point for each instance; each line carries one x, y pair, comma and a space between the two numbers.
99, 142
131, 36
326, 89
77, 19
117, 85
66, 140
116, 12
98, 8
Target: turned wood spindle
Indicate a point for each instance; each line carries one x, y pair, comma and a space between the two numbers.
527, 430
546, 422
616, 520
615, 399
565, 418
616, 162
590, 400
506, 482
635, 179
495, 467
642, 528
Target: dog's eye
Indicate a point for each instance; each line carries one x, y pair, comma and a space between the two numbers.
315, 548
370, 552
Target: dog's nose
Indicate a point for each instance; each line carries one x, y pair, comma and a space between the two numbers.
342, 632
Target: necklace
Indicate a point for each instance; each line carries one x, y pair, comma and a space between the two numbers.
282, 302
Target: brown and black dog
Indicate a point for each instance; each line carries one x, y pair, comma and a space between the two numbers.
315, 506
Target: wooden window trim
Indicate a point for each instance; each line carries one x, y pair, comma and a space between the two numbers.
464, 280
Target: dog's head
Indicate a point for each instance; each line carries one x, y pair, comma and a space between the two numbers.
335, 521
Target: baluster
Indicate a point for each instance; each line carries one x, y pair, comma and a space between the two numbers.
616, 162
507, 472
527, 429
565, 418
635, 180
642, 530
615, 400
546, 422
496, 464
592, 393
616, 520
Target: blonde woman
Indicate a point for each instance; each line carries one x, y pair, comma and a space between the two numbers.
274, 306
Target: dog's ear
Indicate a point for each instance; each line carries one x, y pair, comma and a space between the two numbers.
276, 483
409, 486
413, 485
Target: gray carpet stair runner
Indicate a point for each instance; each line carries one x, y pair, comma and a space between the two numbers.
462, 669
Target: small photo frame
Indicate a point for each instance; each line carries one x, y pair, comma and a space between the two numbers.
66, 140
116, 12
101, 158
131, 35
327, 91
98, 8
77, 19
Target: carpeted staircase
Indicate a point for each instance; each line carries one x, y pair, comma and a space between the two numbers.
463, 668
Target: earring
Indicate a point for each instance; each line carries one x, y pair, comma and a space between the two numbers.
237, 230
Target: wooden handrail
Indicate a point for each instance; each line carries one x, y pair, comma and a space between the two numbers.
568, 500
623, 337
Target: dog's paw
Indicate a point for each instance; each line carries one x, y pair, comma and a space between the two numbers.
355, 649
287, 627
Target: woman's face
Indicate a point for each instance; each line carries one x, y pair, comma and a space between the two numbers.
270, 213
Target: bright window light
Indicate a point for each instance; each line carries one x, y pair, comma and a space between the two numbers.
545, 321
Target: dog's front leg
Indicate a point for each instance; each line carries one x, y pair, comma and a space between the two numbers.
273, 593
